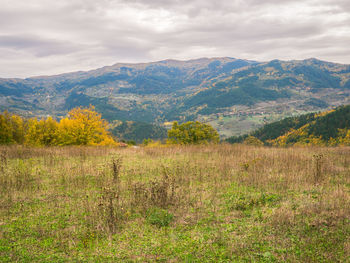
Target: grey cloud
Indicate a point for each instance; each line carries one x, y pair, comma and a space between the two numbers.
49, 36
36, 45
342, 6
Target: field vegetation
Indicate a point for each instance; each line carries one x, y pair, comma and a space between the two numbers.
205, 203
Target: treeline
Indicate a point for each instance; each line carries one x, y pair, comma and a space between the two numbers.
327, 128
84, 126
81, 126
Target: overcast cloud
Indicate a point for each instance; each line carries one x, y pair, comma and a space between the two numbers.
42, 37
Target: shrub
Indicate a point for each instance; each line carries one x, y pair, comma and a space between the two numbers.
251, 140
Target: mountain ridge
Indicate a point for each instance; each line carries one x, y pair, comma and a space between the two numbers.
121, 64
234, 95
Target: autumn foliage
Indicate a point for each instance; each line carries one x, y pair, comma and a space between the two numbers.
82, 126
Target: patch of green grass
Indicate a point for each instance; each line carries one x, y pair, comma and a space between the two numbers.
159, 217
240, 197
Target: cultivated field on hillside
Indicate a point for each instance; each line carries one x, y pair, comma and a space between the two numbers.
223, 203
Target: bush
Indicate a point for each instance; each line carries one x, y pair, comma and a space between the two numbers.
251, 140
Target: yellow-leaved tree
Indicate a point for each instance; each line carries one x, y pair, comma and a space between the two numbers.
6, 132
17, 124
41, 133
344, 137
84, 126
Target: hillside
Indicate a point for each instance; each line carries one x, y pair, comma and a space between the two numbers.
233, 95
138, 131
326, 128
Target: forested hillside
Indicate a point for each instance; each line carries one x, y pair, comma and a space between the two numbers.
326, 128
138, 131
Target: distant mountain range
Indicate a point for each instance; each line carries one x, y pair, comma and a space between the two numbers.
233, 95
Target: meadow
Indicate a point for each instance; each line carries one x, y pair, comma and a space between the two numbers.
214, 203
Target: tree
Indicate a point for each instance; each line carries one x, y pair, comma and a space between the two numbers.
192, 133
84, 126
251, 140
6, 132
11, 128
41, 133
17, 124
344, 137
32, 136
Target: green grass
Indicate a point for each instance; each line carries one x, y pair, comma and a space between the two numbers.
176, 204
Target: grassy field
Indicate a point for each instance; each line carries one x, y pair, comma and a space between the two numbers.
176, 204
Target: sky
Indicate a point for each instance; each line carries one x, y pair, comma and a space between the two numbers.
47, 37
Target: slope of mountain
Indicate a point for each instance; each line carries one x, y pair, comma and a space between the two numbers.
138, 131
233, 95
326, 128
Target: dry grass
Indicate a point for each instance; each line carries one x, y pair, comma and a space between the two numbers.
197, 203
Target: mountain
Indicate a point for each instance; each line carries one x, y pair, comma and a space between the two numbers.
233, 95
122, 91
326, 128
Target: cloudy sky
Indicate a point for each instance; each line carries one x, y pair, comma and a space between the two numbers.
41, 37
